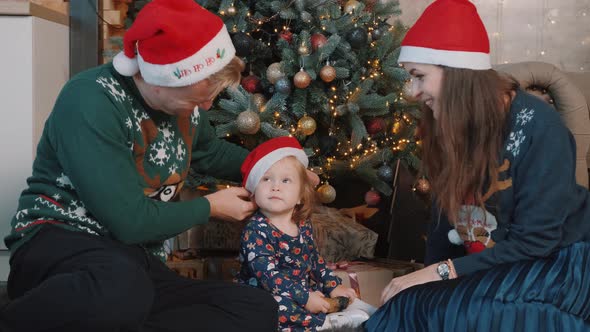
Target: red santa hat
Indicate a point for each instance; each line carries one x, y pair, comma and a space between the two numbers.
265, 155
174, 43
448, 33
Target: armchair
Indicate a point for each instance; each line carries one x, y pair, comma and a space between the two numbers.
569, 93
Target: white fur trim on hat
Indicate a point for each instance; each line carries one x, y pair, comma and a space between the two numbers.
270, 159
454, 237
455, 59
125, 65
210, 59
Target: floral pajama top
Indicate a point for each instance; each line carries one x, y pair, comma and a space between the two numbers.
288, 267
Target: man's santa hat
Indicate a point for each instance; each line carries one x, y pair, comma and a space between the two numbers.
265, 155
174, 43
449, 33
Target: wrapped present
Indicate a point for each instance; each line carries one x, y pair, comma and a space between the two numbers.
370, 278
339, 237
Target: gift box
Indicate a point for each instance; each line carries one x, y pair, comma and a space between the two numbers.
370, 278
338, 236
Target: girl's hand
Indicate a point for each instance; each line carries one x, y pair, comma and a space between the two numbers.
342, 290
316, 303
398, 284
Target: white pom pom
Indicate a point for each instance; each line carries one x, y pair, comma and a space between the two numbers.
454, 237
124, 65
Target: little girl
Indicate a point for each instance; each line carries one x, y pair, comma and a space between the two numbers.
277, 249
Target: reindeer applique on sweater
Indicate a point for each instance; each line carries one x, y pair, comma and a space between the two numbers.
475, 225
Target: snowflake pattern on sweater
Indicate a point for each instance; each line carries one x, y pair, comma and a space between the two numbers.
105, 162
288, 267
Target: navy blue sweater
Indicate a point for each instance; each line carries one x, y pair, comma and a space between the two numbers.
537, 208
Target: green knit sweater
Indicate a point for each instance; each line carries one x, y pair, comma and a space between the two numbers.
109, 165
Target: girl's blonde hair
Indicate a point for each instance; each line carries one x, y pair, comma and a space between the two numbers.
304, 210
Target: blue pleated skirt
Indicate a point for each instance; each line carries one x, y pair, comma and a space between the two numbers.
549, 294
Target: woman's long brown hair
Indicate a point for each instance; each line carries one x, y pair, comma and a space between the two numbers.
461, 148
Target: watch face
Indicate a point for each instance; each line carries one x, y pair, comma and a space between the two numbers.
443, 270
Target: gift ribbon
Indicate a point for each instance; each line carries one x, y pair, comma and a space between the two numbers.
352, 277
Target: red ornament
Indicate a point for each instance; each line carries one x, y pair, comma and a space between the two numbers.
369, 5
251, 83
375, 125
286, 35
318, 40
372, 197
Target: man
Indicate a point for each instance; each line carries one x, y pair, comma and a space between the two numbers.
113, 156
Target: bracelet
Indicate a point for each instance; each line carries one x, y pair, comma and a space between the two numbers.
452, 272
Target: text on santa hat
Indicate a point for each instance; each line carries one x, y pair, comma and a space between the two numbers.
207, 62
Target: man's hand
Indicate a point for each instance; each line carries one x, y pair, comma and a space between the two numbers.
232, 204
316, 303
398, 284
342, 290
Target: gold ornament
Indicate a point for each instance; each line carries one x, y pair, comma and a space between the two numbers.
232, 11
248, 122
303, 50
306, 125
274, 72
326, 193
302, 79
327, 73
259, 101
351, 6
423, 186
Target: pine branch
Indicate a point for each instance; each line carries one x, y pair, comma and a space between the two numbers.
226, 129
270, 131
359, 131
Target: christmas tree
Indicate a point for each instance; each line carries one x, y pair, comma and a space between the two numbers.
325, 72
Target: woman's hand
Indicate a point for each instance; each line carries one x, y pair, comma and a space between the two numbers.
342, 290
316, 303
398, 284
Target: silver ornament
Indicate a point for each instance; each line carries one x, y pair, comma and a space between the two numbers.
283, 85
274, 72
248, 122
385, 173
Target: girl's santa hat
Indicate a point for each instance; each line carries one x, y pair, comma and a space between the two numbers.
265, 155
174, 43
449, 33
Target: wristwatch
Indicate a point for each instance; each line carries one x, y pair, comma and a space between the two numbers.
443, 270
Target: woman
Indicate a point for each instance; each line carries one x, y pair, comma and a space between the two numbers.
511, 228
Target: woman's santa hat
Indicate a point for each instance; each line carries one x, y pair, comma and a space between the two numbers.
265, 155
449, 33
174, 43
